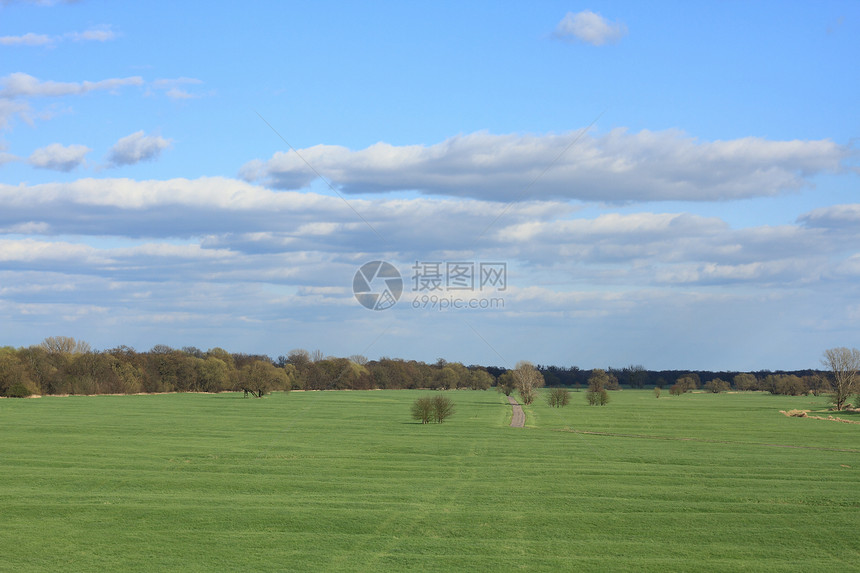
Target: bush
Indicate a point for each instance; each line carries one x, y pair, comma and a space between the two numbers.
422, 409
597, 397
676, 390
18, 390
443, 407
558, 397
657, 391
432, 408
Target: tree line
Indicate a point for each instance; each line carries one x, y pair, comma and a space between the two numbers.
63, 365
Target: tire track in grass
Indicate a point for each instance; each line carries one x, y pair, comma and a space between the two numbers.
442, 507
442, 498
704, 440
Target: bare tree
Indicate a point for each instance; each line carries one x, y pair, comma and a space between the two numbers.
844, 363
65, 345
558, 397
528, 379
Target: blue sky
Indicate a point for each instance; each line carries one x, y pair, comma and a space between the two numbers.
673, 185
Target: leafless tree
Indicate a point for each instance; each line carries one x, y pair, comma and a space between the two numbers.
558, 397
528, 379
844, 363
65, 345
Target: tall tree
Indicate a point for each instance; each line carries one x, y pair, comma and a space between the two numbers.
528, 379
65, 345
844, 364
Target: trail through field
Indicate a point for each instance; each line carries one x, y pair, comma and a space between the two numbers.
518, 419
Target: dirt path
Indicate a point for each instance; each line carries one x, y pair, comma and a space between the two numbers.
518, 419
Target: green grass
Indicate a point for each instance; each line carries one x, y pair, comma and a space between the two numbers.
345, 481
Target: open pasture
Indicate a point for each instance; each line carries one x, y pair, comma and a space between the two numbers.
346, 481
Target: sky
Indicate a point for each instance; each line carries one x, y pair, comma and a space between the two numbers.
604, 184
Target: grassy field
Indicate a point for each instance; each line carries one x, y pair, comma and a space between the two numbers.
345, 481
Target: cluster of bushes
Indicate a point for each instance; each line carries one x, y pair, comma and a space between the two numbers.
558, 397
432, 409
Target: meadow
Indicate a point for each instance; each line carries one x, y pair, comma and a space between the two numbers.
346, 481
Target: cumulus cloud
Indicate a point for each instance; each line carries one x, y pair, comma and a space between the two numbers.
617, 166
611, 248
246, 252
19, 84
834, 216
59, 157
137, 147
590, 28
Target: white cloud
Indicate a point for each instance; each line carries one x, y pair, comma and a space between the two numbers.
611, 249
6, 157
835, 216
101, 34
24, 85
59, 157
589, 27
617, 166
29, 39
137, 147
175, 88
281, 260
9, 109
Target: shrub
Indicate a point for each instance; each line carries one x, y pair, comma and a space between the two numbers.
657, 391
18, 390
422, 409
597, 397
432, 408
558, 397
443, 407
676, 390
